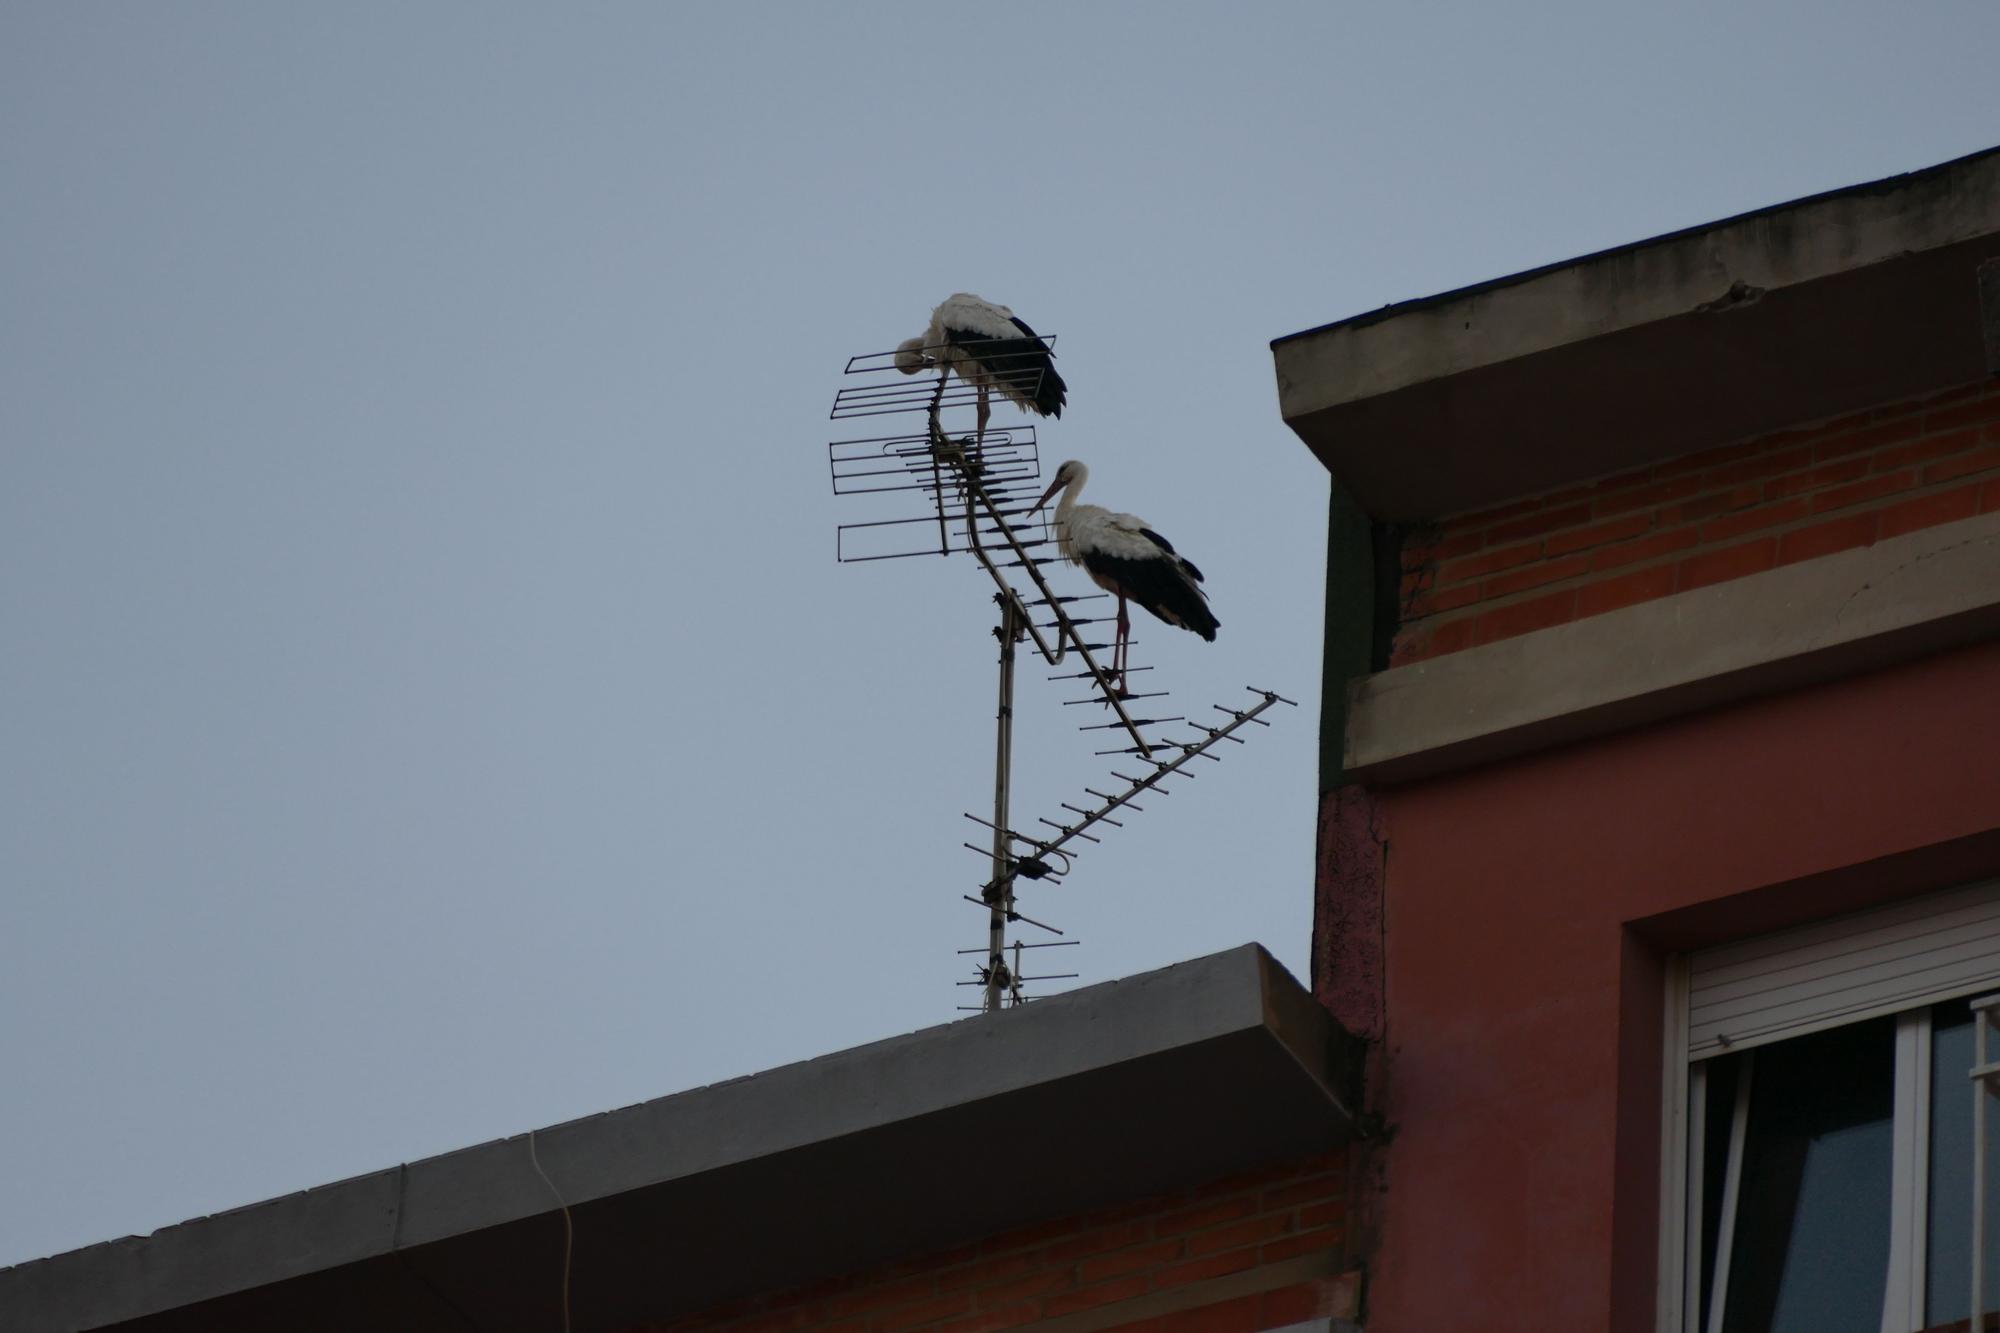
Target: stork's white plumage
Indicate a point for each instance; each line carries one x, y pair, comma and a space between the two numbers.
991, 350
1127, 558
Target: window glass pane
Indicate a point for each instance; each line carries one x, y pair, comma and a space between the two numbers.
1812, 1228
1948, 1283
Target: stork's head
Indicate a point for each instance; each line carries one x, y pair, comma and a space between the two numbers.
910, 356
1071, 473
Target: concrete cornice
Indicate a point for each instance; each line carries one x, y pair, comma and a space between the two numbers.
1840, 614
1588, 297
1802, 311
1105, 1094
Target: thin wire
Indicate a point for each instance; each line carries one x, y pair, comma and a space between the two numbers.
569, 1234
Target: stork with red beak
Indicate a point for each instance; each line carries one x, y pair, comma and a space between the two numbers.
1128, 559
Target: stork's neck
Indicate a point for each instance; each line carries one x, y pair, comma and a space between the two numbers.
1079, 474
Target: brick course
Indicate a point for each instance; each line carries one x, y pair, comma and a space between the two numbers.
1700, 519
1076, 1264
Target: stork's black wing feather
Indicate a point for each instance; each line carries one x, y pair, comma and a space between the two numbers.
1168, 547
1166, 587
1023, 368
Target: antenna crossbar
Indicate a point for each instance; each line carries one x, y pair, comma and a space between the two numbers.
1110, 802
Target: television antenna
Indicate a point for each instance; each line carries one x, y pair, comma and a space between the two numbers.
973, 492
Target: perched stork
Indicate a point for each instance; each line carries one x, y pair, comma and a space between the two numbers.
1129, 560
992, 351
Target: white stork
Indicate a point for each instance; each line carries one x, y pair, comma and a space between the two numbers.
991, 350
1129, 560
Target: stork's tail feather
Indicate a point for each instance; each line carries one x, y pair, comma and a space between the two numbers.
1193, 608
1051, 393
1179, 601
1188, 613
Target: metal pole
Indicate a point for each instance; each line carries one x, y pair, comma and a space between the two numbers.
997, 979
937, 479
1978, 1317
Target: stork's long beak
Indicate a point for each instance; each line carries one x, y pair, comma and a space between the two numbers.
1054, 486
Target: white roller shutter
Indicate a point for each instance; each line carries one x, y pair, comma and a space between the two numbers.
1842, 971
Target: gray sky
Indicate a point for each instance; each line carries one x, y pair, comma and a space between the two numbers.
429, 704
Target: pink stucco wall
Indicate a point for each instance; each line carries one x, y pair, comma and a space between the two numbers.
1526, 909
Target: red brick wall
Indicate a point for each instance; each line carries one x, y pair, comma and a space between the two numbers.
1700, 519
1183, 1263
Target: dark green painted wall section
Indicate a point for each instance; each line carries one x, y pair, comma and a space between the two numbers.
1352, 621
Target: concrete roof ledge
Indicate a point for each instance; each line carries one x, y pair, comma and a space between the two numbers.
1157, 1081
1838, 615
1721, 332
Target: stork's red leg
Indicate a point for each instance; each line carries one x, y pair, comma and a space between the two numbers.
979, 437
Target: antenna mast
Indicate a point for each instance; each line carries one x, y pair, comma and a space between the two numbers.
977, 490
1011, 630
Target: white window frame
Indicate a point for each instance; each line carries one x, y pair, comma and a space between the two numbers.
1684, 1142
